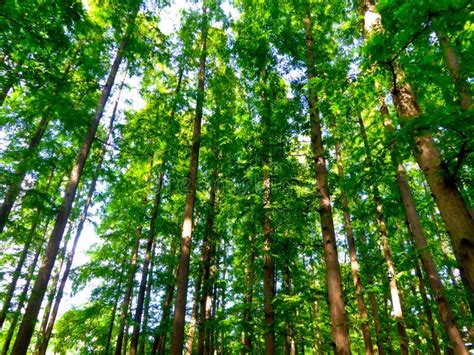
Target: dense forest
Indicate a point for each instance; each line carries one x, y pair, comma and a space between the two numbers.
236, 177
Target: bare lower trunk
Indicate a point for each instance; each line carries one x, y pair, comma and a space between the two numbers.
177, 337
146, 265
353, 257
248, 299
112, 318
194, 314
340, 331
128, 295
34, 304
394, 292
421, 246
207, 252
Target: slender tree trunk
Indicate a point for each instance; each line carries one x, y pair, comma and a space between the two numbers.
21, 300
128, 294
159, 344
394, 292
353, 257
17, 272
194, 313
248, 299
456, 216
377, 326
288, 326
452, 62
112, 318
340, 331
23, 166
149, 286
70, 259
207, 251
34, 304
177, 337
421, 247
146, 265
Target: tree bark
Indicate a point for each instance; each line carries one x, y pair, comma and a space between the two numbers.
146, 265
208, 246
421, 247
340, 331
394, 292
29, 320
452, 62
112, 318
194, 314
128, 294
177, 336
21, 300
248, 299
355, 269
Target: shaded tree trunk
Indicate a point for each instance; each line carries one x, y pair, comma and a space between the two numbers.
29, 320
340, 331
394, 292
353, 257
128, 294
207, 252
248, 299
112, 319
177, 336
194, 314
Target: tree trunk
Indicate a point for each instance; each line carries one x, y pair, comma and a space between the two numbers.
146, 265
340, 331
21, 300
177, 337
207, 252
248, 299
149, 286
456, 216
90, 194
194, 314
34, 304
421, 247
112, 318
17, 272
394, 292
353, 256
460, 83
128, 293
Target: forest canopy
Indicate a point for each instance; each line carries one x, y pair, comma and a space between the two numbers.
236, 177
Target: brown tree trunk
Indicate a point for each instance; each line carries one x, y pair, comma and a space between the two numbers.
34, 304
340, 331
177, 336
394, 292
17, 272
452, 62
207, 251
112, 318
456, 216
248, 298
194, 314
128, 294
421, 247
146, 265
353, 257
90, 194
21, 300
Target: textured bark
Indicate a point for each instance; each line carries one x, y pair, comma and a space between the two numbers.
34, 304
194, 314
459, 223
207, 251
460, 83
363, 314
128, 294
340, 331
394, 292
177, 336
